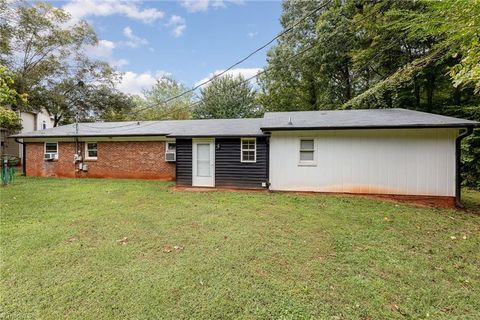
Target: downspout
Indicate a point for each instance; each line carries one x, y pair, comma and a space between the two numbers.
24, 156
458, 163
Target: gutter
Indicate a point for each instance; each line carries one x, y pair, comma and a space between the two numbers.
411, 126
458, 164
24, 163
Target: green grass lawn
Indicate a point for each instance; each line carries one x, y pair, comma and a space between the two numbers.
129, 249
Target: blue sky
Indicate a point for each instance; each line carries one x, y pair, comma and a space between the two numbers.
189, 40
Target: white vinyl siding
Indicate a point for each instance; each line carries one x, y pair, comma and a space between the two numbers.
387, 161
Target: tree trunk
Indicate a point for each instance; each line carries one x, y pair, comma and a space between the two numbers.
312, 93
430, 89
416, 89
56, 120
348, 84
457, 95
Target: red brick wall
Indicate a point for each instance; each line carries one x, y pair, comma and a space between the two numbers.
140, 160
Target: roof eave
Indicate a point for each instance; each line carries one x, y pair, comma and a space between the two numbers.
90, 135
418, 126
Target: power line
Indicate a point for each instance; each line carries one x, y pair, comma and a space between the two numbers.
260, 72
248, 56
247, 80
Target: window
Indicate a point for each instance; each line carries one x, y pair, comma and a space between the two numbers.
44, 125
91, 150
171, 146
248, 150
307, 151
170, 151
51, 151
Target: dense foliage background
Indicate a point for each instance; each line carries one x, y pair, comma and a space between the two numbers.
420, 55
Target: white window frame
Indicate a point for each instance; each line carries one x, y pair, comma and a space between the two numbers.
307, 162
44, 125
167, 144
254, 150
86, 151
45, 149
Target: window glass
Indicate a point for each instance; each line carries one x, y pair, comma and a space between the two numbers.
91, 150
171, 146
203, 160
248, 149
307, 150
51, 147
306, 155
306, 144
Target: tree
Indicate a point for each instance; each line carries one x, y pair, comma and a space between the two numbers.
8, 94
227, 97
45, 50
414, 54
153, 106
432, 39
9, 120
296, 84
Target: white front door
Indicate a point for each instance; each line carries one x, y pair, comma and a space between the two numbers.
203, 163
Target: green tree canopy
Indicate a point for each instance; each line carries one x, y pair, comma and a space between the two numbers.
414, 54
227, 97
46, 51
152, 105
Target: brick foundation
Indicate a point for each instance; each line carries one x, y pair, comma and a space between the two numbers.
137, 160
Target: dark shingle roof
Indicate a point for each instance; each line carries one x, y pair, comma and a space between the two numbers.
369, 118
336, 119
174, 128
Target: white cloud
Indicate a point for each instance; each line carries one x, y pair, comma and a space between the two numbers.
177, 24
104, 51
135, 83
203, 5
245, 72
133, 41
252, 34
80, 9
118, 63
195, 5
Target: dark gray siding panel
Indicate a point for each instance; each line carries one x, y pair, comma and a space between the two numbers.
231, 172
184, 162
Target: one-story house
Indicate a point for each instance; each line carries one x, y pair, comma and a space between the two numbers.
394, 152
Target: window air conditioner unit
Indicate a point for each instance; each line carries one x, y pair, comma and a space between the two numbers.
170, 156
50, 156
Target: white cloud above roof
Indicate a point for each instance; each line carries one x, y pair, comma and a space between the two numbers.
81, 9
104, 51
203, 5
245, 72
133, 41
177, 24
136, 83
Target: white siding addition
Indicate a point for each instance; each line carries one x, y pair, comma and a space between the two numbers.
383, 161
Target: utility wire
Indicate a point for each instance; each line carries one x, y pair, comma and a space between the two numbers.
324, 4
266, 70
247, 80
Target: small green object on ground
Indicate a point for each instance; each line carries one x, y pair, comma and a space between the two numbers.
8, 163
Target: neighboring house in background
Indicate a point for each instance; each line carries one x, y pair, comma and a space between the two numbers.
395, 152
31, 121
